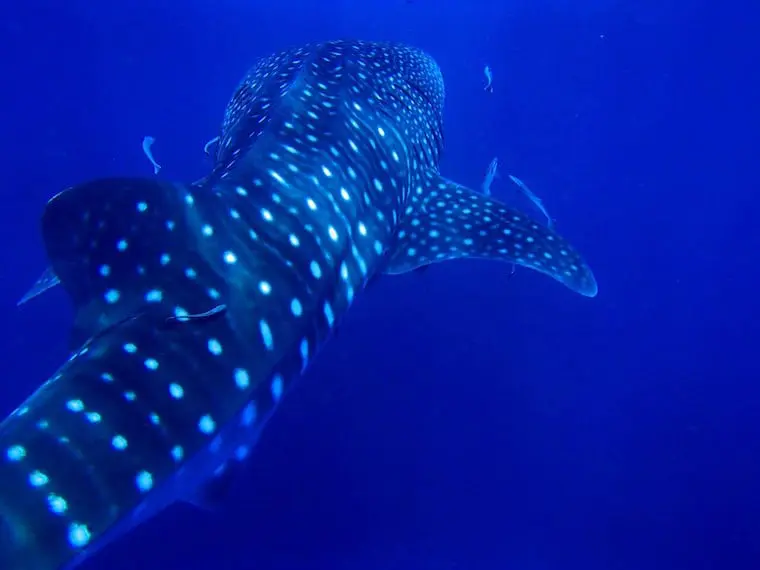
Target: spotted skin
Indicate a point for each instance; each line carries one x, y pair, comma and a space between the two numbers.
197, 305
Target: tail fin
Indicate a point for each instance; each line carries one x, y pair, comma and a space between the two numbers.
119, 245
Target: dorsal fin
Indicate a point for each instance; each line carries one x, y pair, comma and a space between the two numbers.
47, 280
121, 246
448, 221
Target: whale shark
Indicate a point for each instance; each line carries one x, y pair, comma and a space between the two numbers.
197, 305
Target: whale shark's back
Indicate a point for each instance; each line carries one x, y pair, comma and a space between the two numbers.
399, 77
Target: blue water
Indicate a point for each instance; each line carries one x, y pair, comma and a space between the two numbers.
461, 419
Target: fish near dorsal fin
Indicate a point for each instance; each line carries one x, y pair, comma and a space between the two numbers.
445, 220
121, 246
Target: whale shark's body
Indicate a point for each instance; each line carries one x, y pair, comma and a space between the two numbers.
197, 305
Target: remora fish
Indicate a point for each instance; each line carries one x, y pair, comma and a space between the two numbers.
491, 173
197, 305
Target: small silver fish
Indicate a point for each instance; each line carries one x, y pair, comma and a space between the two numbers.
533, 198
489, 79
146, 144
209, 144
491, 173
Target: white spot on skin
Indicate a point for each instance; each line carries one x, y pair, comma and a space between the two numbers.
57, 504
151, 364
304, 348
177, 453
38, 479
75, 405
277, 387
242, 379
296, 308
93, 417
316, 270
249, 414
266, 334
144, 481
154, 296
176, 391
329, 314
214, 347
207, 425
230, 257
15, 453
119, 442
265, 288
79, 535
112, 296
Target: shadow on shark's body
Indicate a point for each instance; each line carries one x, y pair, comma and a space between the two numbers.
197, 305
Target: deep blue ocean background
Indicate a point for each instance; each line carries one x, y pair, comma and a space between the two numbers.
462, 419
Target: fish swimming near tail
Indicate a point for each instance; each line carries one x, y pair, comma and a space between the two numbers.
491, 173
198, 305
